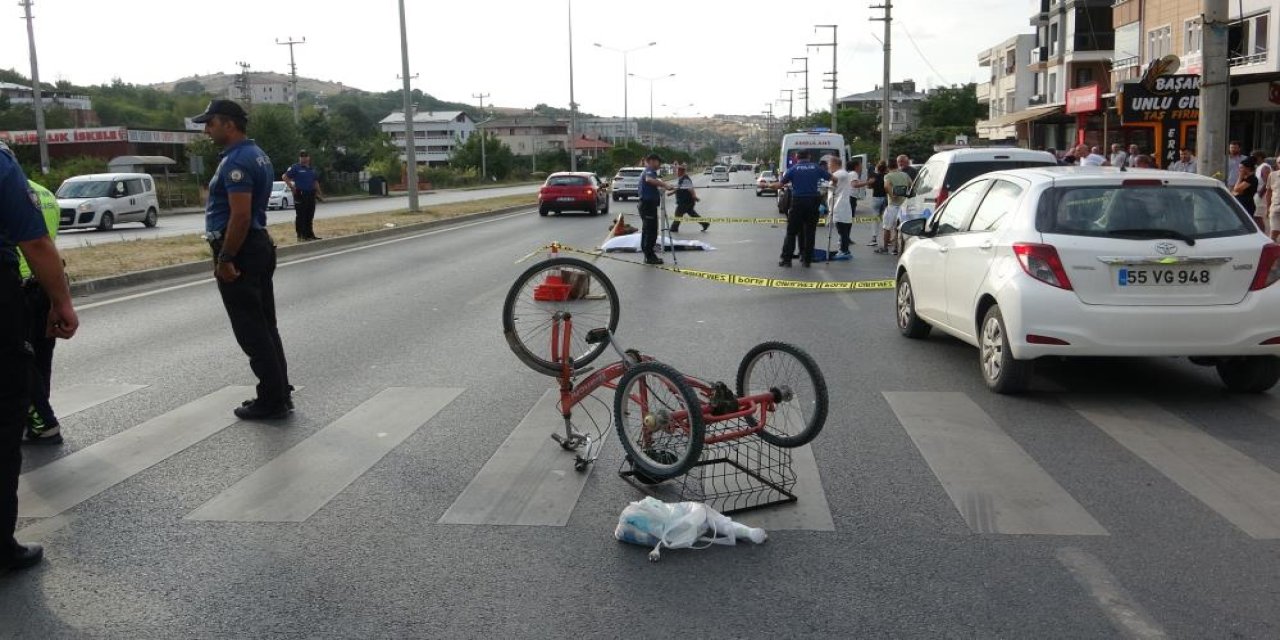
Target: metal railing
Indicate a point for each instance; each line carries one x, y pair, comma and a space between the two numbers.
1241, 61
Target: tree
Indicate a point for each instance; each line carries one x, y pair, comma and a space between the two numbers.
498, 159
272, 127
955, 106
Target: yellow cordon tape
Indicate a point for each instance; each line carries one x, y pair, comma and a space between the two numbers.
778, 220
733, 278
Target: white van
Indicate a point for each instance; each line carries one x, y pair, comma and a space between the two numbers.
947, 170
101, 200
819, 144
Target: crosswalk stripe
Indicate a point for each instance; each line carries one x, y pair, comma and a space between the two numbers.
810, 511
529, 480
1236, 486
68, 481
993, 482
78, 397
300, 481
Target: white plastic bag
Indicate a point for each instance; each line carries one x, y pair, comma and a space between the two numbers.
680, 525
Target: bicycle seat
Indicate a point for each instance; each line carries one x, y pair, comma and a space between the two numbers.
598, 336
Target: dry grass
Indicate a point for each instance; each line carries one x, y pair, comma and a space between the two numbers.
111, 259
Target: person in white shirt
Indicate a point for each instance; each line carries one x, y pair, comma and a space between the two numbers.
1089, 157
1118, 157
1185, 163
1132, 158
1263, 198
839, 204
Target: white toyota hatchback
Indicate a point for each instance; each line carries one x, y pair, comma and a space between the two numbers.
1083, 261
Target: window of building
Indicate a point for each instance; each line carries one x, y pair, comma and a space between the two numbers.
1053, 39
1248, 41
1158, 43
1010, 104
1192, 36
1053, 87
1010, 62
1084, 76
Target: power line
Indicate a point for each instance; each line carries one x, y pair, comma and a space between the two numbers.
922, 56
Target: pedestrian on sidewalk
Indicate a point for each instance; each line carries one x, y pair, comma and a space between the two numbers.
304, 184
878, 197
21, 227
42, 422
897, 184
1262, 199
651, 188
840, 202
245, 255
802, 219
686, 198
1186, 163
1246, 188
1118, 158
1234, 156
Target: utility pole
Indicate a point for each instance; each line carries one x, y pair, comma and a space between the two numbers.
410, 143
804, 92
245, 86
573, 106
37, 99
293, 73
791, 103
885, 124
834, 58
484, 163
1215, 87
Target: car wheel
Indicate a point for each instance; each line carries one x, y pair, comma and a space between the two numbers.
1250, 375
594, 210
1001, 372
605, 210
542, 211
759, 193
909, 324
107, 222
152, 218
615, 198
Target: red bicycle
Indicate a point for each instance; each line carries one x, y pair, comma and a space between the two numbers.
663, 417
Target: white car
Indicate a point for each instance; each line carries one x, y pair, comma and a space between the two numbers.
719, 173
281, 196
626, 184
1077, 261
764, 183
100, 200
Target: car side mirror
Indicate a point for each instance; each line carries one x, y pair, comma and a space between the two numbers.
914, 228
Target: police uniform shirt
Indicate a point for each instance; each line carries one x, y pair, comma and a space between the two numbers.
304, 177
20, 218
648, 191
245, 168
804, 178
684, 190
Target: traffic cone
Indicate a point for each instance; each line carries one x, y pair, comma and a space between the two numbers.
619, 227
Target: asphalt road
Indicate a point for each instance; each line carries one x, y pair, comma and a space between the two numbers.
1119, 499
179, 224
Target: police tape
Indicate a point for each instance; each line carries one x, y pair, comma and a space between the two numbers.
773, 221
734, 278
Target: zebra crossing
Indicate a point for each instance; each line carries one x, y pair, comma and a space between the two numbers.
995, 486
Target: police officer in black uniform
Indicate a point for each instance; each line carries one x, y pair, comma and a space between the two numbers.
802, 220
245, 256
22, 225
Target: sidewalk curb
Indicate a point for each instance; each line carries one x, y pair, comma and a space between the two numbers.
152, 276
186, 211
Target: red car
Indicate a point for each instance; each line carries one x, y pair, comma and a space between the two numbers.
566, 191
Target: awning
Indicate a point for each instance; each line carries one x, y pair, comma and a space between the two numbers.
1020, 117
125, 164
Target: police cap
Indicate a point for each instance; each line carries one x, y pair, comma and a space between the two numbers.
228, 108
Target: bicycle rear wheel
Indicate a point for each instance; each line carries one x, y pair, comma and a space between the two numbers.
659, 421
558, 286
788, 371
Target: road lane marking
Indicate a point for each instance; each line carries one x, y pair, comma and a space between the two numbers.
202, 281
68, 481
995, 485
300, 481
78, 397
528, 481
1236, 486
810, 511
40, 530
1125, 613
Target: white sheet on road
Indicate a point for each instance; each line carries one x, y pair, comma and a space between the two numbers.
631, 242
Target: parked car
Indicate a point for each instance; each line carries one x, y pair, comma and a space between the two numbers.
626, 184
944, 172
766, 178
567, 191
281, 196
1073, 261
101, 200
707, 171
719, 173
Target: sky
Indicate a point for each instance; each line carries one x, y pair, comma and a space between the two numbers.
729, 57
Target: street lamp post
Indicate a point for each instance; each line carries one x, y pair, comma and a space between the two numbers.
573, 106
652, 131
626, 84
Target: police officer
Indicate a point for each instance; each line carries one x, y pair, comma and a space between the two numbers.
651, 187
245, 256
802, 220
686, 198
42, 422
302, 180
21, 226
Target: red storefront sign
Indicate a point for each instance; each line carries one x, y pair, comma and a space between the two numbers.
66, 136
1085, 99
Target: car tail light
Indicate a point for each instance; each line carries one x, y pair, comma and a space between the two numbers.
1144, 182
590, 191
1271, 341
942, 196
1268, 268
1041, 262
1035, 339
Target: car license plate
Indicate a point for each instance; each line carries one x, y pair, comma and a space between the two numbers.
1163, 277
565, 199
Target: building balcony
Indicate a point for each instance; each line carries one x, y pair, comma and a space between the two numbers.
984, 92
1245, 61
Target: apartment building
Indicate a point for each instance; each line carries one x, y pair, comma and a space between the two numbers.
904, 104
436, 134
1008, 93
528, 134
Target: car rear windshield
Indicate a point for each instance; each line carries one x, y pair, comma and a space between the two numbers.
85, 189
961, 172
630, 173
1140, 211
566, 181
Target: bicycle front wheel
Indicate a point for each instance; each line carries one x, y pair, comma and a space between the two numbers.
565, 287
791, 374
659, 421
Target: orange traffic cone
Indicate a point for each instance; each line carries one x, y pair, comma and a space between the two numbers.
619, 227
